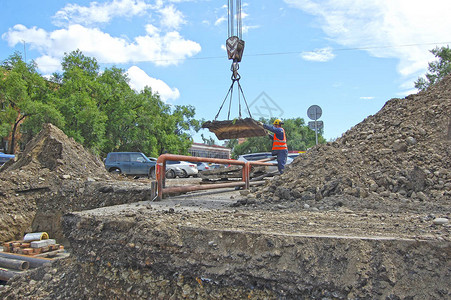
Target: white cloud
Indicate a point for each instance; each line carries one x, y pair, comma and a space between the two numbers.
171, 17
160, 45
139, 80
385, 27
37, 38
48, 64
220, 20
162, 49
320, 55
99, 12
367, 98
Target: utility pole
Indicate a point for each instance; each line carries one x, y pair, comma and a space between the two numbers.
24, 51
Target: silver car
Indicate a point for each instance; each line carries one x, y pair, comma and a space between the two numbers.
188, 169
172, 171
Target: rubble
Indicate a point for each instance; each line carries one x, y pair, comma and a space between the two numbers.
398, 159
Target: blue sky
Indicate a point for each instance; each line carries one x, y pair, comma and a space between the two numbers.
347, 56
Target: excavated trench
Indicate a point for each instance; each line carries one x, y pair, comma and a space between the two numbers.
198, 246
170, 251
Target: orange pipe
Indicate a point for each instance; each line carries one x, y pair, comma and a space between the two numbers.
161, 171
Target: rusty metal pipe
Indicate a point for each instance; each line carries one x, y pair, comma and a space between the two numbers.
14, 264
161, 171
192, 188
6, 275
260, 182
161, 166
34, 261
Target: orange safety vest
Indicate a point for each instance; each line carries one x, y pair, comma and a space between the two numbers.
279, 144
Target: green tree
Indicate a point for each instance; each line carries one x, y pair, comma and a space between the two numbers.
23, 100
77, 101
437, 69
119, 103
167, 129
99, 110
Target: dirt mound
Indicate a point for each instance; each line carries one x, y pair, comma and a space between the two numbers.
51, 149
399, 158
50, 169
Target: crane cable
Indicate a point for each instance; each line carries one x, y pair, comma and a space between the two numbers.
235, 12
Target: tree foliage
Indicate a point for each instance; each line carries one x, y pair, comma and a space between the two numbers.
23, 99
299, 138
98, 109
437, 69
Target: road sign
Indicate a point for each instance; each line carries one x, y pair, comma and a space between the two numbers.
314, 112
312, 126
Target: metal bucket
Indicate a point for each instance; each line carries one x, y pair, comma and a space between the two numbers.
35, 236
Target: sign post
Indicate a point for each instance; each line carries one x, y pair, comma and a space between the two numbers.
314, 112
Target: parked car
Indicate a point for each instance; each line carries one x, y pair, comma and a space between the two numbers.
216, 166
5, 157
188, 169
202, 166
172, 171
130, 163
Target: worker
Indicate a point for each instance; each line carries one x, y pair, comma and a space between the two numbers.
279, 144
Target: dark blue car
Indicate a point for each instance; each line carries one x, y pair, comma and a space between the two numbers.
130, 163
5, 157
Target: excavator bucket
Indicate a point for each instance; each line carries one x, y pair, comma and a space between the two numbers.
233, 129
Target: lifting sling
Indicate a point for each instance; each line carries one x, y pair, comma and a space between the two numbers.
236, 128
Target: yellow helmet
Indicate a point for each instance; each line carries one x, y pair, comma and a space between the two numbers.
277, 122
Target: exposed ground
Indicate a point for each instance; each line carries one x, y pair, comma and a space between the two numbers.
384, 186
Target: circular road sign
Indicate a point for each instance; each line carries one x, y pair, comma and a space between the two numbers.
314, 112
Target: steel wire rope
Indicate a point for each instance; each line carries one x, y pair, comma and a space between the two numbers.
225, 98
230, 100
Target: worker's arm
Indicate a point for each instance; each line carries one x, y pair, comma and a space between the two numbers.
270, 128
276, 130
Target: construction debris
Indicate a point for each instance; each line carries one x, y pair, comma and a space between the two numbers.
232, 173
33, 245
33, 251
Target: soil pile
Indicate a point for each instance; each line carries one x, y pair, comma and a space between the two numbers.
51, 149
397, 159
50, 165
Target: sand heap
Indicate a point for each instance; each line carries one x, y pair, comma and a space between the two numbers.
401, 155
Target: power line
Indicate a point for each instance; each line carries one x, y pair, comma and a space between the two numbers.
294, 52
272, 53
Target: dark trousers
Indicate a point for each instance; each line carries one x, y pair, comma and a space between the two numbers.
281, 159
